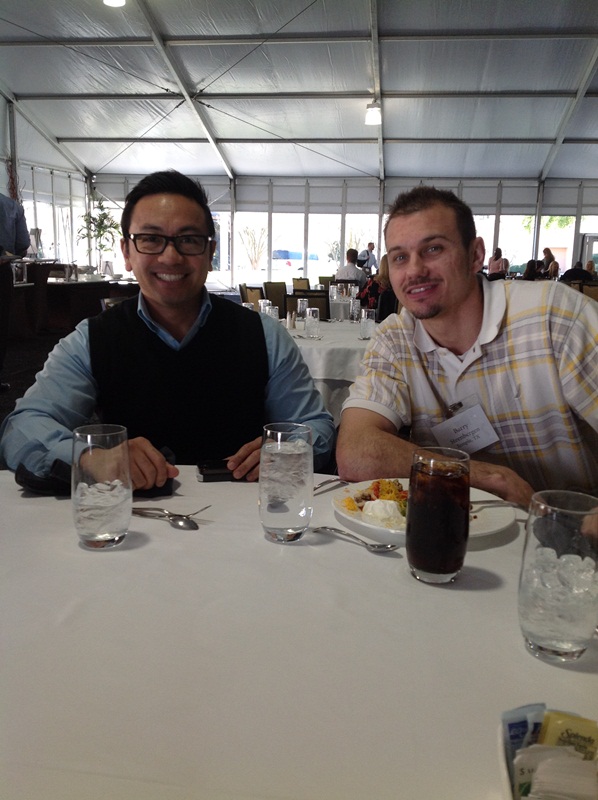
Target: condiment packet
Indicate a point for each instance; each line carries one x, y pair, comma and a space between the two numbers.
521, 727
527, 761
568, 730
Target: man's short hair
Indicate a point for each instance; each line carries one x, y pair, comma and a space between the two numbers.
352, 255
424, 197
166, 182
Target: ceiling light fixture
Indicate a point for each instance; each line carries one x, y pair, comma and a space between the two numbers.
373, 114
114, 3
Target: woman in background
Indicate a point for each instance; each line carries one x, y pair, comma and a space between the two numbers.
497, 266
591, 268
378, 293
529, 273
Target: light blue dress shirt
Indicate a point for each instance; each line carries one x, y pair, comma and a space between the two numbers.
63, 396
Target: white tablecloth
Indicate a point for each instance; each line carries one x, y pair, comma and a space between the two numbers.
333, 361
216, 664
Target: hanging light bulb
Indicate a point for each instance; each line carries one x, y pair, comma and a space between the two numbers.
114, 3
373, 114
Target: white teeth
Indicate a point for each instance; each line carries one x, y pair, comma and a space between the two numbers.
168, 276
419, 290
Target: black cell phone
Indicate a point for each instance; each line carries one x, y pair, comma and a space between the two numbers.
214, 470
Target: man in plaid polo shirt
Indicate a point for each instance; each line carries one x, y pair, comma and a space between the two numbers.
515, 362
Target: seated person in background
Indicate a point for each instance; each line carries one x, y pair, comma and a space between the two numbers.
351, 270
514, 364
553, 271
529, 274
576, 273
378, 293
178, 367
498, 266
591, 268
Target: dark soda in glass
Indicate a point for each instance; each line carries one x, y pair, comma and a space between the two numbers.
437, 519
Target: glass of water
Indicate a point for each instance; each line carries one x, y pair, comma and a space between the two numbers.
312, 323
302, 304
286, 481
558, 586
101, 487
367, 324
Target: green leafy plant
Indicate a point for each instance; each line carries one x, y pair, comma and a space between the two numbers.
100, 228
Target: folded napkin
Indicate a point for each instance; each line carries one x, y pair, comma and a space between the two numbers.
559, 778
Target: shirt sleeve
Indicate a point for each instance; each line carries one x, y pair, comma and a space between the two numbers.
39, 430
575, 341
22, 238
291, 395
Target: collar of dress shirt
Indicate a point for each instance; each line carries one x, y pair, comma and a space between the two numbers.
161, 333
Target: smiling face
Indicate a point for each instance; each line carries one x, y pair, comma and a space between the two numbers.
431, 271
171, 283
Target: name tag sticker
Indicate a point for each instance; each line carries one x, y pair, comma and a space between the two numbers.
470, 430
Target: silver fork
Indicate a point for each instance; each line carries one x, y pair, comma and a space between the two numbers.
328, 482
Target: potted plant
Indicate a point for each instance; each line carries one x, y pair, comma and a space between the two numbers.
100, 228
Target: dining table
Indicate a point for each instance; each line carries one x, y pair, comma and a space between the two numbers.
214, 663
333, 360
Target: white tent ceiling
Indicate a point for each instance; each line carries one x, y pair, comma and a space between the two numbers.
468, 88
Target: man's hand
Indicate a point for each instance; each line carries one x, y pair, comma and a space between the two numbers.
148, 466
245, 463
501, 481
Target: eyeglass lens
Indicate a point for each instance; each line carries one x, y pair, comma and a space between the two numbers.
186, 245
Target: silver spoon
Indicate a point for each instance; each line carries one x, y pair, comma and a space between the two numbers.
373, 548
183, 521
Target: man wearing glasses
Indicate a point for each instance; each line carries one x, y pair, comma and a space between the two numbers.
183, 370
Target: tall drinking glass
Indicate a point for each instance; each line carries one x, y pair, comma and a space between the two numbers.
558, 586
302, 304
312, 323
101, 487
286, 481
437, 514
367, 326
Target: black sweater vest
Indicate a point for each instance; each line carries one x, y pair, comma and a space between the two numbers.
203, 401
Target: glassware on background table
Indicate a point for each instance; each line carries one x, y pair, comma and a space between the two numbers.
263, 305
312, 323
558, 585
272, 311
333, 291
355, 310
101, 484
367, 326
302, 304
437, 514
248, 305
286, 481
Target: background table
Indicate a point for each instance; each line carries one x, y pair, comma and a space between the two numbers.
333, 361
216, 664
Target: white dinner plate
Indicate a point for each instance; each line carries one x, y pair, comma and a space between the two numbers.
485, 520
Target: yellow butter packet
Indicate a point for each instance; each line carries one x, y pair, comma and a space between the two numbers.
559, 729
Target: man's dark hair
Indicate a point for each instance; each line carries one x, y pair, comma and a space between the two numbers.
424, 197
166, 182
352, 255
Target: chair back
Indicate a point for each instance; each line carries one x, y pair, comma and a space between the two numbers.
325, 280
316, 298
300, 283
276, 292
591, 289
243, 293
254, 293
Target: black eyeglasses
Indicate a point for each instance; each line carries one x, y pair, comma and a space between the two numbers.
188, 244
